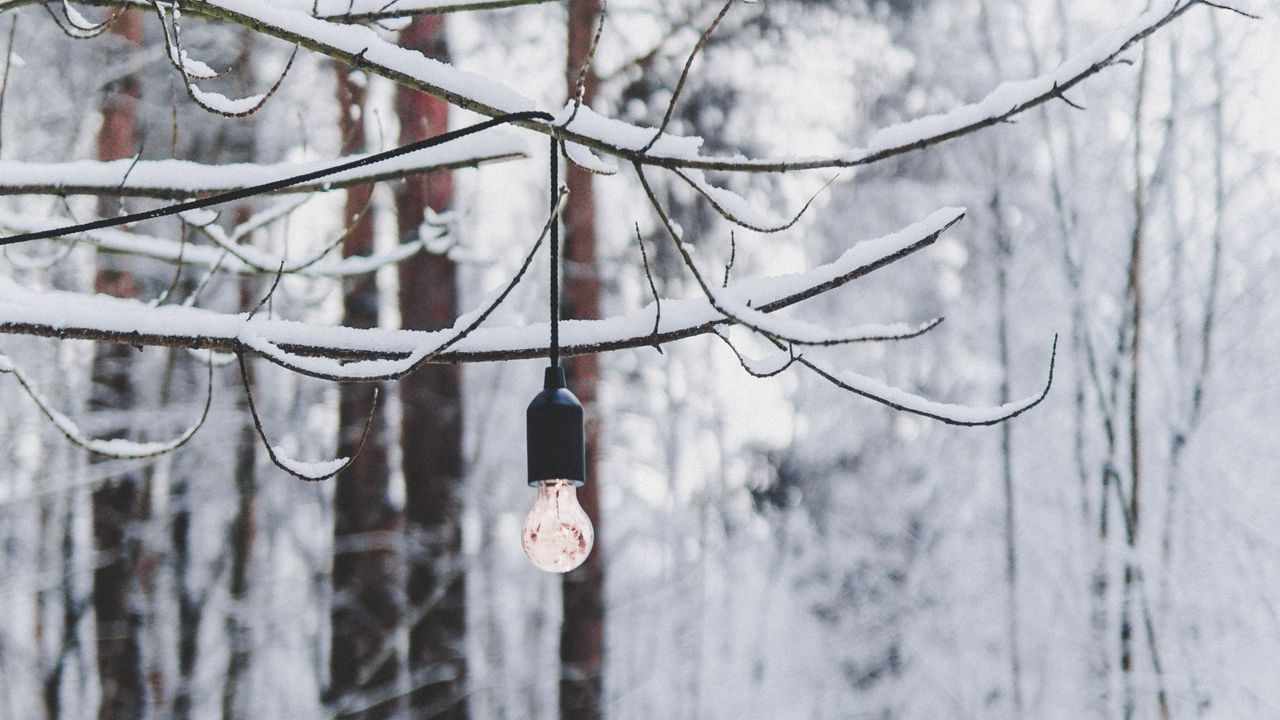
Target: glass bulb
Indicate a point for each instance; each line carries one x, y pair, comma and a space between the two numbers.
557, 532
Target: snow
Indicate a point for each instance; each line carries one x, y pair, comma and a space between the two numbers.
241, 259
169, 178
314, 470
339, 8
736, 206
470, 89
960, 414
119, 448
68, 311
582, 156
224, 104
1009, 96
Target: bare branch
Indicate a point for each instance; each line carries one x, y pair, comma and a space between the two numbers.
716, 197
684, 75
1228, 8
119, 449
878, 391
756, 368
791, 332
648, 274
319, 471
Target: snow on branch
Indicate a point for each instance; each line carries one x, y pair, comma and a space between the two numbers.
952, 414
246, 260
181, 179
99, 317
362, 47
370, 10
347, 11
303, 470
118, 448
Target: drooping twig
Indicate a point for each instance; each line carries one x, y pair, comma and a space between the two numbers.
173, 48
755, 318
115, 448
177, 269
943, 412
396, 369
293, 468
76, 30
751, 367
270, 292
196, 94
1229, 8
706, 191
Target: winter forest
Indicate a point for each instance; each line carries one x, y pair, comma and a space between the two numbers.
926, 350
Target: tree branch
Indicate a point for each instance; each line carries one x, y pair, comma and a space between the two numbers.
487, 97
91, 317
181, 179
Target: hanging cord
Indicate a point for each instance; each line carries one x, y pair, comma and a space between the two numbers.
274, 185
554, 349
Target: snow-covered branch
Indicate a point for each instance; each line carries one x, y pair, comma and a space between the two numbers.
376, 352
246, 260
119, 448
180, 179
366, 49
347, 11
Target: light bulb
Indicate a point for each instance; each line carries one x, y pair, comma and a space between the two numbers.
557, 532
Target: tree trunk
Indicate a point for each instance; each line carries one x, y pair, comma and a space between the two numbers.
368, 573
120, 503
1004, 258
582, 631
235, 689
431, 422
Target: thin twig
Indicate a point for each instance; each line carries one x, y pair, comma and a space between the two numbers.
702, 189
684, 75
580, 88
648, 274
746, 366
737, 316
271, 451
139, 451
733, 254
4, 83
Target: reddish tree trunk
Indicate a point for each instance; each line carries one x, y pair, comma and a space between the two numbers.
368, 574
431, 423
582, 632
120, 503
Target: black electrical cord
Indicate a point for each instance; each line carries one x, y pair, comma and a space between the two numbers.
554, 347
305, 177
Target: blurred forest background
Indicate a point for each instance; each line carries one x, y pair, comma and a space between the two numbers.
766, 548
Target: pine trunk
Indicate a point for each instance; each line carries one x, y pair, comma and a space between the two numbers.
120, 503
431, 421
582, 631
368, 573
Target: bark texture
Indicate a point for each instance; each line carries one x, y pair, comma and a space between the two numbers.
582, 631
120, 503
368, 570
431, 421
